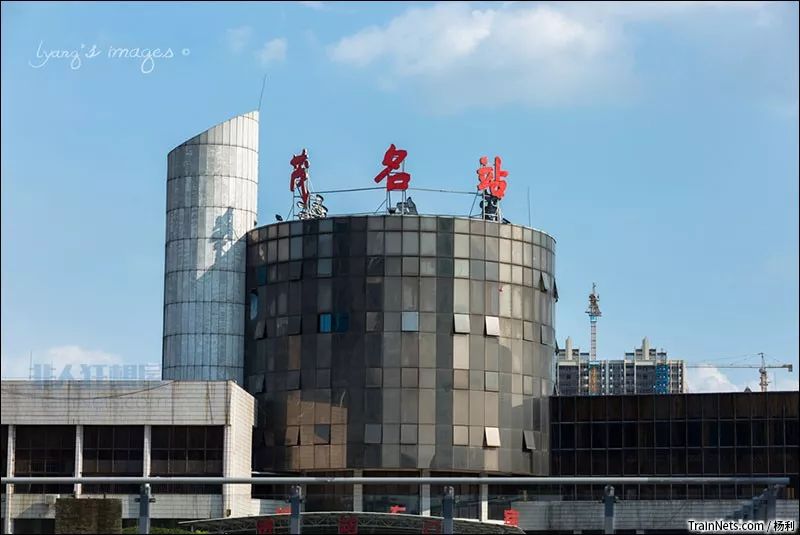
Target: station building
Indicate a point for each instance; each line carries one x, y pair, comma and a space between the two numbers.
387, 345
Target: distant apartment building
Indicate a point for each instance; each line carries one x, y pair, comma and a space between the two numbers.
643, 371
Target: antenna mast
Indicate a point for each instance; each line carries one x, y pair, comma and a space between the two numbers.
594, 312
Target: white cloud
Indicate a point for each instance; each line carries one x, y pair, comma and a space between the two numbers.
273, 51
713, 379
709, 380
238, 38
538, 55
313, 5
69, 357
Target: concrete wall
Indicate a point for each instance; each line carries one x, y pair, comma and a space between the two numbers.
122, 403
145, 403
212, 191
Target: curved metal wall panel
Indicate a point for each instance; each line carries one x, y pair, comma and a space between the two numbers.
212, 190
400, 342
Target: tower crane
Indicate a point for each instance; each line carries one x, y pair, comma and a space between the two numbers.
762, 369
594, 313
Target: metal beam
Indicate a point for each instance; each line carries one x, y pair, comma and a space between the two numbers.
182, 480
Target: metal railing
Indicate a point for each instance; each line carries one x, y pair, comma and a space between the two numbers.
759, 508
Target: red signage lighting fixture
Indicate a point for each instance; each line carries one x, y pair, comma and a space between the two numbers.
395, 181
491, 179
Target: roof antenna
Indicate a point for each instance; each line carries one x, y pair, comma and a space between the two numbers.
263, 83
529, 206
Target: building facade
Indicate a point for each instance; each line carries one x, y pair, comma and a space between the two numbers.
212, 190
400, 343
642, 371
725, 434
126, 428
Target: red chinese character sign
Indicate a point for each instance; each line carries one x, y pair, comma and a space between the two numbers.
491, 179
310, 205
395, 181
299, 176
492, 185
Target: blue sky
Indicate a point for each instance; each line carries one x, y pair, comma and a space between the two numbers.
658, 142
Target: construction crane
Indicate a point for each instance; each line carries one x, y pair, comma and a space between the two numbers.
762, 369
594, 313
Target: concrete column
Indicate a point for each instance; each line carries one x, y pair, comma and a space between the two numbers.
148, 431
227, 471
358, 493
8, 521
76, 488
425, 496
484, 501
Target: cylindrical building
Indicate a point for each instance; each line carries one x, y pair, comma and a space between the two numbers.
212, 184
400, 343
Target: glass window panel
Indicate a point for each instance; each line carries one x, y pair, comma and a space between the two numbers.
461, 296
283, 250
461, 246
392, 294
516, 252
394, 245
492, 326
492, 249
461, 268
427, 244
491, 381
427, 267
393, 266
324, 267
411, 243
325, 245
427, 297
296, 248
325, 323
505, 250
476, 247
461, 323
375, 243
476, 269
410, 321
492, 437
410, 265
410, 293
492, 271
461, 351
372, 433
461, 379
